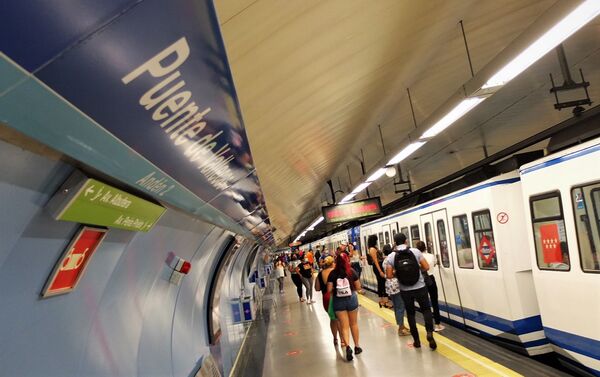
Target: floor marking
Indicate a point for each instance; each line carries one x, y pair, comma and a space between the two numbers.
294, 353
464, 357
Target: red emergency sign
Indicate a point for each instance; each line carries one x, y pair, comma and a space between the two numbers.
551, 248
486, 250
72, 264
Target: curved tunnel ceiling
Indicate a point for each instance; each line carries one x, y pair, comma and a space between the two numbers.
316, 78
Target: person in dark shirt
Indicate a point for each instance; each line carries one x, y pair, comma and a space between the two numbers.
342, 285
305, 269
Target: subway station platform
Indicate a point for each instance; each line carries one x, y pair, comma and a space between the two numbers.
298, 342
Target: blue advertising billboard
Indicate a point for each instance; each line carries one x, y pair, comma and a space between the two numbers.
154, 76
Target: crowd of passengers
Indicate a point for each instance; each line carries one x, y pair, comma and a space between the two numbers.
404, 275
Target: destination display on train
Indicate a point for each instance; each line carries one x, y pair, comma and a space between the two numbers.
352, 211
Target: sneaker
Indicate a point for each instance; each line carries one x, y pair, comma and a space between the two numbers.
357, 350
417, 344
302, 299
308, 302
432, 343
439, 327
349, 353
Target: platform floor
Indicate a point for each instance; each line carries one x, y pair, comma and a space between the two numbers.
299, 343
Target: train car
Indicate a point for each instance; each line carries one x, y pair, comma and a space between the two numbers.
561, 197
484, 274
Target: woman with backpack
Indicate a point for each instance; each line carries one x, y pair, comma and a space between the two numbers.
375, 258
342, 285
305, 269
321, 285
296, 279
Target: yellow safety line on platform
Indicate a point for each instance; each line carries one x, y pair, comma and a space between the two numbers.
473, 362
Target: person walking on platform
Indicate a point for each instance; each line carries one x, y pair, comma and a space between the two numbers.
407, 265
296, 279
354, 259
342, 284
305, 269
321, 285
279, 273
375, 258
392, 288
431, 285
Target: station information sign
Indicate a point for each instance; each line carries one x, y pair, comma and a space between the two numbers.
89, 201
352, 211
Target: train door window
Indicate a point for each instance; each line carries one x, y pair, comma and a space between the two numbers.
414, 235
586, 207
549, 232
404, 230
462, 241
443, 241
387, 238
380, 240
428, 238
484, 236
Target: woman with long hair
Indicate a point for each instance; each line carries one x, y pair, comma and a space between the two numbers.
342, 285
431, 285
296, 279
375, 258
321, 285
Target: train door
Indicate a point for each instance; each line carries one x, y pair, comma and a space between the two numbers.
436, 236
386, 236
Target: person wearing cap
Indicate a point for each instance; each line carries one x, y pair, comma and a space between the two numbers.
321, 285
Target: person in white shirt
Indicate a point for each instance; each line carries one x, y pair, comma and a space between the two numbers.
431, 285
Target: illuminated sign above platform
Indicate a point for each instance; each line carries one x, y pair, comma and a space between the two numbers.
352, 211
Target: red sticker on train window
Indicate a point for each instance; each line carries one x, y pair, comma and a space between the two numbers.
551, 243
486, 250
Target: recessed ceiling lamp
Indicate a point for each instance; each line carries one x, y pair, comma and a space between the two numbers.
361, 187
390, 171
347, 198
566, 27
375, 176
410, 149
455, 114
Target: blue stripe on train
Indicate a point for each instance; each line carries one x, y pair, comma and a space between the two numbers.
584, 346
453, 196
518, 327
558, 160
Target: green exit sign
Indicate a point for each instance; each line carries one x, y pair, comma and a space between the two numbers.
89, 201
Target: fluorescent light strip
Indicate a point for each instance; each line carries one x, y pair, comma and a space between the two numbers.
574, 21
407, 151
348, 198
361, 187
455, 114
375, 176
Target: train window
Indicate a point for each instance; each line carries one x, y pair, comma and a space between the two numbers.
387, 237
414, 234
462, 241
380, 240
586, 207
443, 240
484, 237
428, 238
404, 230
549, 232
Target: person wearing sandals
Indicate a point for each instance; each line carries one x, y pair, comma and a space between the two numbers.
375, 258
321, 285
342, 285
392, 288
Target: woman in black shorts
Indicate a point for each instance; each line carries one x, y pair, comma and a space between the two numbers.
375, 258
342, 284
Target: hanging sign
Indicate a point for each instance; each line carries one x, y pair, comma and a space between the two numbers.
352, 211
89, 201
486, 250
73, 262
551, 243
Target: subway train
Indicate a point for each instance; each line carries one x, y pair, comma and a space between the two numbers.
517, 255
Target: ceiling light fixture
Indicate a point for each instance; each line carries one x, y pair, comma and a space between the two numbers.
455, 114
361, 187
390, 171
347, 198
375, 176
407, 151
566, 27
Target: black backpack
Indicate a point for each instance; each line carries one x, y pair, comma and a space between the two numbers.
407, 267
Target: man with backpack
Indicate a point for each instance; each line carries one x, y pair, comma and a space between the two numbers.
406, 264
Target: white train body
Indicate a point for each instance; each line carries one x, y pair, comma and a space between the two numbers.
566, 279
528, 274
